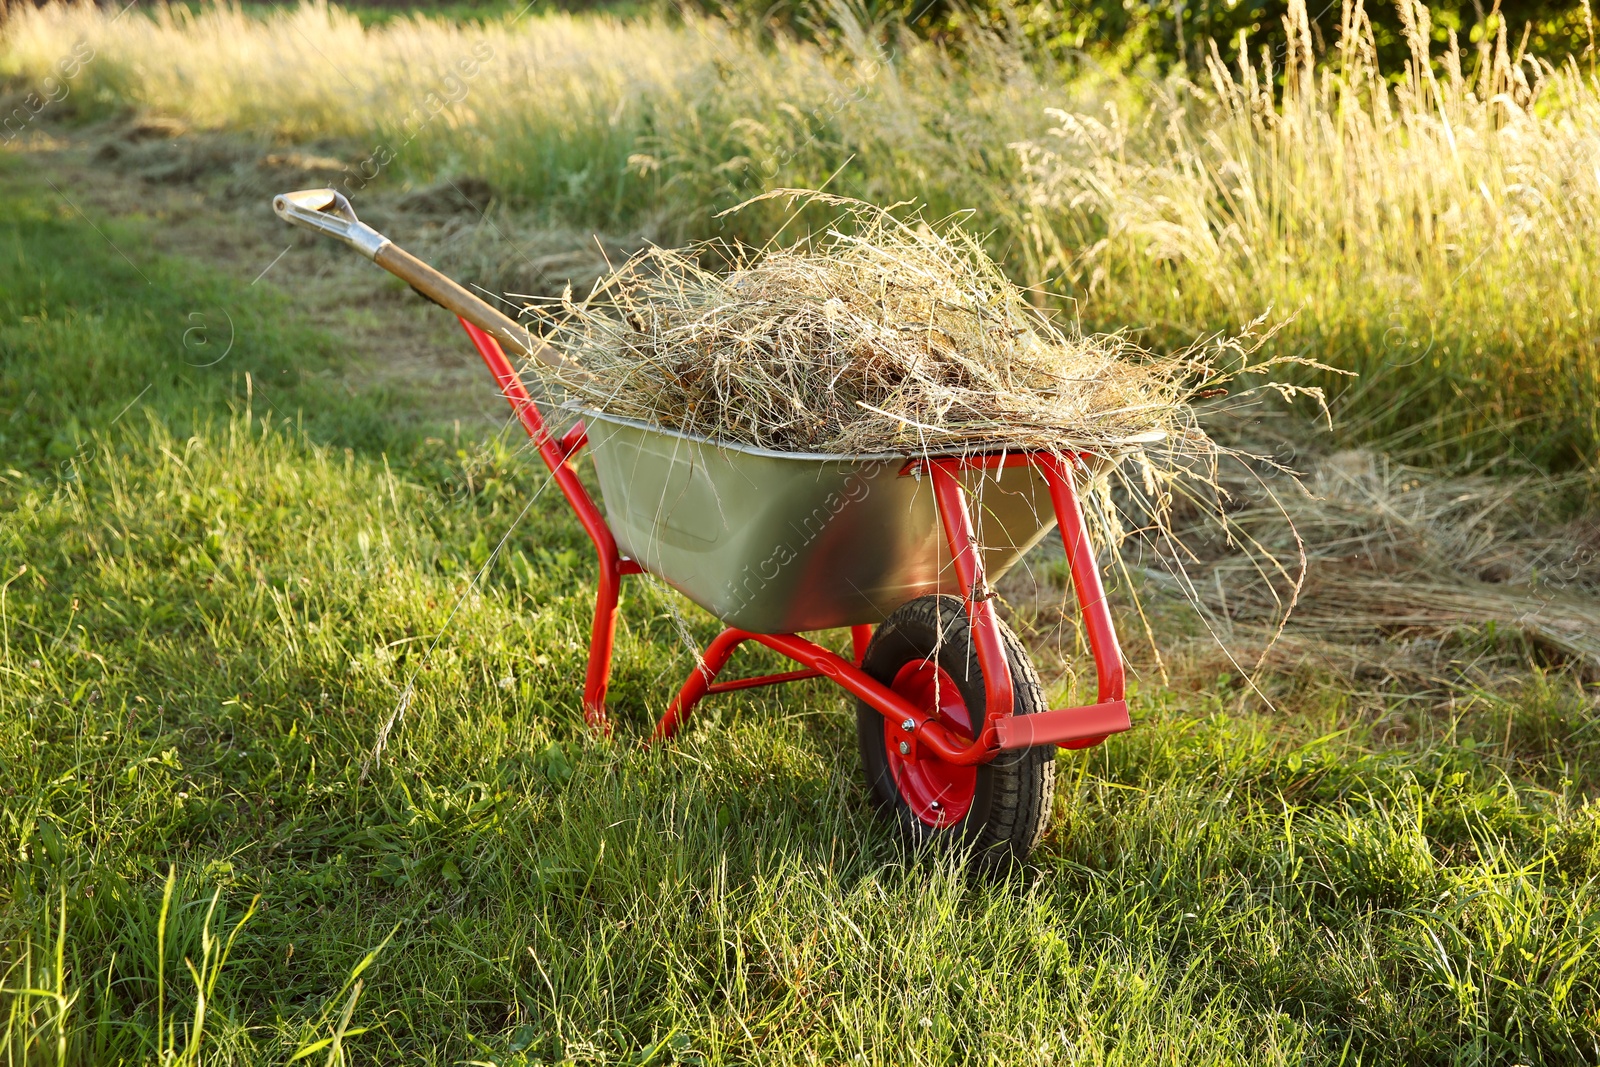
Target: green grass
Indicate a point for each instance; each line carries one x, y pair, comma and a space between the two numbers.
215, 587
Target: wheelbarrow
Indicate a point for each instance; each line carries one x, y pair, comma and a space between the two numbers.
956, 738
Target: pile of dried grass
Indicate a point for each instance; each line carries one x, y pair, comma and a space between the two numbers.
880, 336
1383, 563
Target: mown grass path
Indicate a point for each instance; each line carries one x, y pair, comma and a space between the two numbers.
218, 579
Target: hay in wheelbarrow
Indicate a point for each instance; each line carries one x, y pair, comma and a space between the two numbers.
891, 335
879, 335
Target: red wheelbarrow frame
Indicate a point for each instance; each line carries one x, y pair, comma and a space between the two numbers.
1077, 727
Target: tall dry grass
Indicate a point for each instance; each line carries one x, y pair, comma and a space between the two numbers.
1436, 231
597, 120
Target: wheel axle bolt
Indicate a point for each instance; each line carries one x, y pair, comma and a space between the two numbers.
905, 749
909, 725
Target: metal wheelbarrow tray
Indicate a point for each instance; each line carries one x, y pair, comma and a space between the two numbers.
785, 542
954, 732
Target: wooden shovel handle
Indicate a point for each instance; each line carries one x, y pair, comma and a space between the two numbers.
329, 212
458, 300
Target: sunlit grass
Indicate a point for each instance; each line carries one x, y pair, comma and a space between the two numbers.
215, 588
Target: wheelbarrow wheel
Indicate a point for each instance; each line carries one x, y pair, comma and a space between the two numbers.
998, 810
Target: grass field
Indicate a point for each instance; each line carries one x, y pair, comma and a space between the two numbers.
217, 580
230, 539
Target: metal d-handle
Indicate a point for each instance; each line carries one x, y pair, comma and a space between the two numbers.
328, 212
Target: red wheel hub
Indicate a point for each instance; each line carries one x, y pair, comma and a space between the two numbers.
938, 793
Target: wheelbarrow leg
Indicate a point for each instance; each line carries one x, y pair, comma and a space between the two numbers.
602, 639
699, 681
557, 455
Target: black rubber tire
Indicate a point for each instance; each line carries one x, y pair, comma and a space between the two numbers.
1011, 804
